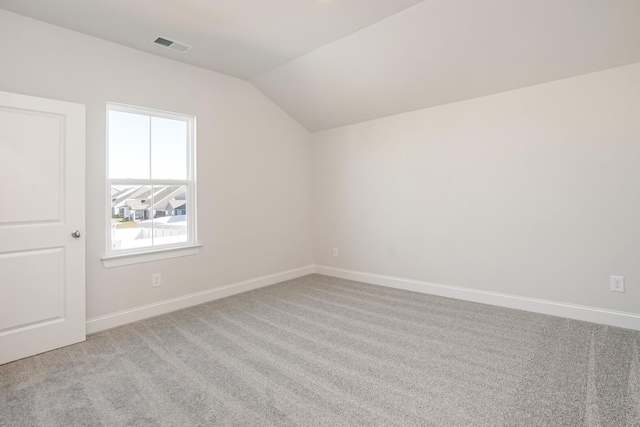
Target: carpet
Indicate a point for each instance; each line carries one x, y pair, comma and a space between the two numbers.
321, 351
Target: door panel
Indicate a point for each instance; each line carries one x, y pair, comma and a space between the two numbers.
42, 267
34, 170
35, 290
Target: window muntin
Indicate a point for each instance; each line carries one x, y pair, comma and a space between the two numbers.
151, 180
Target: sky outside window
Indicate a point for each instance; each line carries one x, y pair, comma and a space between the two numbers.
168, 149
135, 140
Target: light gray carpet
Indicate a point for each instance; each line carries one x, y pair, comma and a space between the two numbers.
324, 351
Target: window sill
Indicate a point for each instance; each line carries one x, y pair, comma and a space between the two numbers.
119, 260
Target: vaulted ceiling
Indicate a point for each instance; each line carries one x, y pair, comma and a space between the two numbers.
330, 63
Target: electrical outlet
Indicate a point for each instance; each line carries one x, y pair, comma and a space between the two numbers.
335, 252
617, 283
156, 280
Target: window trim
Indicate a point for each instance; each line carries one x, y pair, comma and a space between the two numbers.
118, 260
114, 258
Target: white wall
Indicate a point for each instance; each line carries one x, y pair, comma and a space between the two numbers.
253, 160
533, 192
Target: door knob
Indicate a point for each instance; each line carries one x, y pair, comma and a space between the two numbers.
76, 234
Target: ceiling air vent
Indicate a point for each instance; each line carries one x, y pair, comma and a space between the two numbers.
172, 44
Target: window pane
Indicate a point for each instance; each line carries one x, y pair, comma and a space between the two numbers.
128, 145
143, 216
169, 214
168, 149
129, 208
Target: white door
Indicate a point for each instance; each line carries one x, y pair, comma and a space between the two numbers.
42, 279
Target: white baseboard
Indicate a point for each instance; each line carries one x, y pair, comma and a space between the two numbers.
571, 311
101, 323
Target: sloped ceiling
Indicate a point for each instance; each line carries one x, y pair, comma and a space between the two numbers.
242, 38
442, 51
330, 63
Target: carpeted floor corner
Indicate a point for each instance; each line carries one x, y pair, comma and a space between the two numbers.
320, 351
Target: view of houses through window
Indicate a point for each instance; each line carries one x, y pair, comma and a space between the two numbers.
150, 178
138, 212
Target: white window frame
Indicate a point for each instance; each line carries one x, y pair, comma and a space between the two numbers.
115, 258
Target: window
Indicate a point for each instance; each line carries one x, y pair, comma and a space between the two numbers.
150, 180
